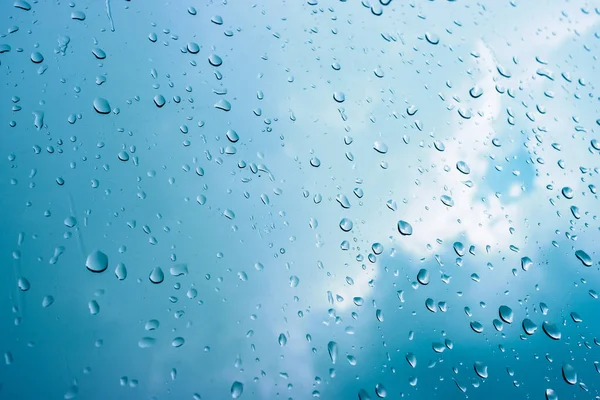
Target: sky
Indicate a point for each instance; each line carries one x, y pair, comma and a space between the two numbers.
281, 242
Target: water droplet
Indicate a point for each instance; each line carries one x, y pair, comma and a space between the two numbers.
432, 38
529, 326
215, 60
346, 224
405, 228
232, 136
294, 281
178, 342
476, 326
94, 307
380, 147
423, 277
584, 258
476, 92
526, 263
463, 167
447, 200
379, 315
339, 97
315, 162
159, 100
70, 222
193, 47
22, 4
97, 261
47, 301
576, 318
567, 192
380, 391
481, 369
343, 200
157, 275
411, 359
332, 348
223, 105
551, 394
37, 57
282, 340
551, 330
23, 284
121, 271
217, 19
78, 15
99, 53
506, 314
569, 374
101, 105
459, 249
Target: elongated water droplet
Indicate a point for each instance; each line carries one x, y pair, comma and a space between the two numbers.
423, 277
332, 348
526, 263
529, 326
506, 314
569, 374
282, 339
584, 258
121, 271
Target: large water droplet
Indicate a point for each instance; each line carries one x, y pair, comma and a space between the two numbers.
481, 369
447, 200
97, 261
215, 60
432, 38
99, 53
157, 275
569, 374
346, 224
223, 105
101, 105
423, 277
506, 314
237, 388
380, 147
159, 100
411, 359
37, 57
380, 391
551, 394
584, 258
551, 330
405, 228
529, 326
526, 263
463, 167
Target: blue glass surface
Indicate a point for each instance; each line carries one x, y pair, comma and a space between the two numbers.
299, 199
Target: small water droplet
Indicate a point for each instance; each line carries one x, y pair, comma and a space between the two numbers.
37, 57
282, 339
121, 271
463, 167
99, 53
432, 38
